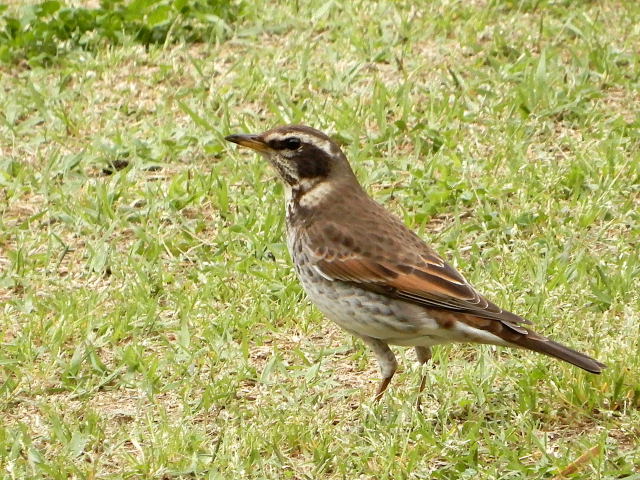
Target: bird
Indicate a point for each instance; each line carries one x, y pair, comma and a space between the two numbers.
369, 273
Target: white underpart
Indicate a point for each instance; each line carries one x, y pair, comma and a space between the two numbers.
372, 315
288, 195
479, 335
432, 333
460, 333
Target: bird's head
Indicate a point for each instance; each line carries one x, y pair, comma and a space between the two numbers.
302, 156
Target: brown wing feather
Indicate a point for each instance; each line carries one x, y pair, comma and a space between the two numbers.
423, 287
400, 266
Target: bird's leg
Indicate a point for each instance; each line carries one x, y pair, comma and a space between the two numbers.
386, 360
424, 355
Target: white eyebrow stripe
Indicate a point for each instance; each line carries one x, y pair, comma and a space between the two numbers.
321, 143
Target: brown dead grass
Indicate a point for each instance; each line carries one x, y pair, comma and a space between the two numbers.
622, 102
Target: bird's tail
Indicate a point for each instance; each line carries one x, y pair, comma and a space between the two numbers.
541, 344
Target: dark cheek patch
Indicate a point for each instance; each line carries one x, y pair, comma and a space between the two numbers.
312, 162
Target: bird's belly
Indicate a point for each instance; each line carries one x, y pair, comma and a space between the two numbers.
370, 314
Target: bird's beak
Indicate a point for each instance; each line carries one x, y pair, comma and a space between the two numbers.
251, 141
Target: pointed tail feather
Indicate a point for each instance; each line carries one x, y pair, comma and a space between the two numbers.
540, 344
514, 335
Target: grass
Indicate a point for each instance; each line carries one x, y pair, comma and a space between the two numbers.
152, 327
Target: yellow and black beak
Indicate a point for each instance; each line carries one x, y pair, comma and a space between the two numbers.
247, 140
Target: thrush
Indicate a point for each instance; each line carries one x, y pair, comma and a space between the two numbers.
367, 272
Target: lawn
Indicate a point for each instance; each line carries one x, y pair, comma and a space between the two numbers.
151, 325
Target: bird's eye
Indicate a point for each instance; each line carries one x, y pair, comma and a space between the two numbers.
292, 143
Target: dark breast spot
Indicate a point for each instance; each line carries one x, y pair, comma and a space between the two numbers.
347, 241
332, 233
296, 213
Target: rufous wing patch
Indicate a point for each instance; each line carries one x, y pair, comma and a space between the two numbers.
425, 286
